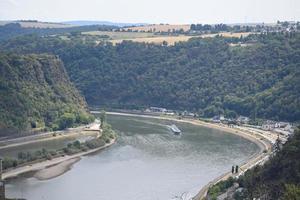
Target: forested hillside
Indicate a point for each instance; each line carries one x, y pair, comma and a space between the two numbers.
279, 178
36, 93
259, 78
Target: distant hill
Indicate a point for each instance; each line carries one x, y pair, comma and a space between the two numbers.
10, 30
88, 23
36, 93
36, 24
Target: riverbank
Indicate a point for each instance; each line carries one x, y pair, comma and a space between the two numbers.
91, 129
262, 141
51, 173
56, 170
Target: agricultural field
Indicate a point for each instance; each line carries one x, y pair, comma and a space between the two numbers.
171, 40
119, 35
160, 28
228, 34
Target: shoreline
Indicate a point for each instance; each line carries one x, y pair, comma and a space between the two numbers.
260, 140
56, 170
70, 132
53, 163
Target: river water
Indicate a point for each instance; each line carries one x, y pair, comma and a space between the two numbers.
147, 163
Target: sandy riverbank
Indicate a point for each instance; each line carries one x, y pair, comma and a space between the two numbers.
262, 142
51, 173
56, 170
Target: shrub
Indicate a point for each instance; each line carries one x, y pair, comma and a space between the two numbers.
66, 120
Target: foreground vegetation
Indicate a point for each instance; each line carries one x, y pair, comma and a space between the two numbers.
209, 76
72, 148
279, 178
219, 188
36, 94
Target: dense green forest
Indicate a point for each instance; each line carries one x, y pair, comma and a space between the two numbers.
279, 178
259, 78
36, 93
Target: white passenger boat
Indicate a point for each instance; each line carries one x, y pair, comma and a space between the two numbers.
175, 129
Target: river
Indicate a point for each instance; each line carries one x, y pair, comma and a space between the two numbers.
147, 163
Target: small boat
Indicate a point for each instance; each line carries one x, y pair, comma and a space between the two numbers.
175, 129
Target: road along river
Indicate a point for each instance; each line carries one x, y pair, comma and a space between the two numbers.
147, 163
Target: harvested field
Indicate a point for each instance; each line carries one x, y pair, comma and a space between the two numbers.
160, 27
158, 40
171, 40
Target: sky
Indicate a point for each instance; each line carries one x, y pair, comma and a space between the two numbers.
153, 11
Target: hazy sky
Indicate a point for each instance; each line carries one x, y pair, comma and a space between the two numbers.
152, 11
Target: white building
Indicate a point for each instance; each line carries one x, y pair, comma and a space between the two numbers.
268, 126
243, 119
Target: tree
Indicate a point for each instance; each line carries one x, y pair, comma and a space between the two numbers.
77, 144
82, 118
292, 192
102, 118
66, 120
193, 27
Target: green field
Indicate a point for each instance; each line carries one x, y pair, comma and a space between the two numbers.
119, 35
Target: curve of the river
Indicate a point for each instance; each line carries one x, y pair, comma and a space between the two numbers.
147, 163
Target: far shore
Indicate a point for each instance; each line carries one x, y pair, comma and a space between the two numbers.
248, 136
260, 140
